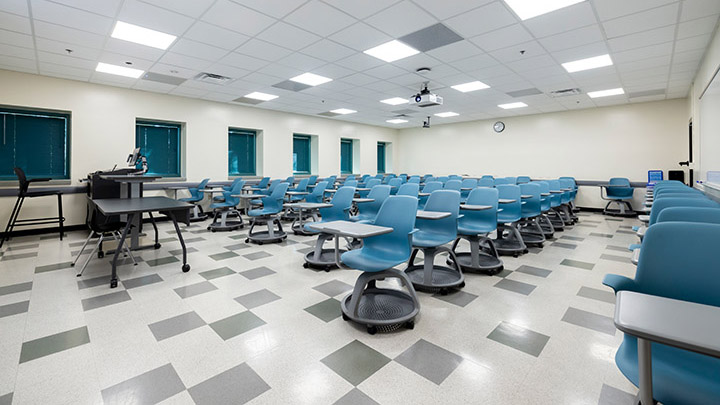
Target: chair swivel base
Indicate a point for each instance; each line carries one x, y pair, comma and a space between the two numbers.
272, 235
480, 258
510, 244
430, 277
323, 260
624, 210
224, 224
198, 214
300, 230
532, 233
381, 309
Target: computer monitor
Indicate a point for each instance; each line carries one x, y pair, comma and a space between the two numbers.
134, 157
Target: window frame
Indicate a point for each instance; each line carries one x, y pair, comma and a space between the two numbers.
350, 142
254, 134
307, 138
169, 124
384, 157
38, 112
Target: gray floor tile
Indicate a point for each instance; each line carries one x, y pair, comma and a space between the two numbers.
305, 251
590, 320
564, 245
595, 294
615, 258
515, 286
333, 288
44, 346
223, 256
602, 235
53, 236
14, 308
504, 273
17, 256
148, 388
257, 255
591, 221
23, 247
355, 362
216, 273
52, 267
256, 273
195, 289
458, 297
16, 288
533, 271
165, 240
236, 324
612, 396
6, 399
238, 236
618, 248
238, 385
575, 238
178, 252
176, 325
288, 242
193, 240
326, 310
430, 361
519, 338
625, 232
577, 263
586, 225
614, 219
93, 282
237, 246
625, 227
82, 242
257, 298
161, 261
105, 300
355, 397
142, 281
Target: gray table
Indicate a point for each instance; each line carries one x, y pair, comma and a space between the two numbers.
473, 207
506, 201
297, 193
431, 214
685, 325
134, 208
131, 186
304, 206
348, 229
363, 200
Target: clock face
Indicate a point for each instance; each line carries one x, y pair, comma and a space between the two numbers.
499, 126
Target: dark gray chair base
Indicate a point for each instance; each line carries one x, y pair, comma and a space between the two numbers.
319, 258
531, 232
272, 235
430, 277
510, 243
198, 214
624, 209
225, 224
481, 257
547, 227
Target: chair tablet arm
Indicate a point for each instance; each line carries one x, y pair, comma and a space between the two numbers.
619, 283
39, 179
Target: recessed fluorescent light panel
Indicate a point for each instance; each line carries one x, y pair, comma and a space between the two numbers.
261, 96
396, 121
472, 86
447, 114
311, 79
510, 106
119, 70
343, 111
526, 9
589, 63
142, 36
392, 51
606, 93
395, 101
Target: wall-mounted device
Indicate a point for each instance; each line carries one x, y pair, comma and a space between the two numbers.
426, 124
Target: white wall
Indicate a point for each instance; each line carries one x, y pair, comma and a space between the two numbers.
706, 113
593, 144
103, 132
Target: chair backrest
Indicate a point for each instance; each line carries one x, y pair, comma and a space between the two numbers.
690, 276
411, 189
395, 182
523, 179
22, 180
432, 186
234, 182
544, 199
442, 201
532, 206
317, 194
341, 201
236, 189
349, 177
501, 180
443, 179
677, 190
403, 177
364, 178
430, 178
468, 183
290, 180
398, 213
372, 183
274, 202
414, 179
485, 219
486, 182
331, 181
619, 181
705, 215
453, 185
659, 205
511, 212
567, 187
350, 183
195, 191
302, 186
379, 193
273, 185
312, 179
572, 180
264, 182
556, 193
454, 177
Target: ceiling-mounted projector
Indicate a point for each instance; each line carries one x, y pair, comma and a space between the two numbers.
426, 99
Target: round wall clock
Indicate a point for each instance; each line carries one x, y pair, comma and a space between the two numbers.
499, 126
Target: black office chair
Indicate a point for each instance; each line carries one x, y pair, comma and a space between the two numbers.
102, 226
23, 193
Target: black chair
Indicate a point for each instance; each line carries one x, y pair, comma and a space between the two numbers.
23, 193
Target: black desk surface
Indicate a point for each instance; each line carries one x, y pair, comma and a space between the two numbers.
129, 177
119, 206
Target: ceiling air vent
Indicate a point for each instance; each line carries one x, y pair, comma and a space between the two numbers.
565, 92
212, 78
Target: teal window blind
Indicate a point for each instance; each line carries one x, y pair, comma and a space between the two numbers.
241, 152
38, 142
301, 154
381, 157
160, 144
346, 156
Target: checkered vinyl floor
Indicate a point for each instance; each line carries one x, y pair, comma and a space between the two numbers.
248, 324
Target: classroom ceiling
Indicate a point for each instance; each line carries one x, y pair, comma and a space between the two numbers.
655, 45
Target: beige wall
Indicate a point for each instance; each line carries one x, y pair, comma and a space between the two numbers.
593, 144
706, 113
103, 132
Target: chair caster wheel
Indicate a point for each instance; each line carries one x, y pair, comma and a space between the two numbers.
345, 317
515, 255
526, 251
208, 228
372, 330
113, 283
260, 243
461, 285
72, 264
185, 268
443, 291
305, 265
410, 325
327, 269
157, 246
247, 240
101, 255
541, 245
213, 230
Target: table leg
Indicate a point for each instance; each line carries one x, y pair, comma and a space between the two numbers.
645, 371
337, 251
128, 225
186, 266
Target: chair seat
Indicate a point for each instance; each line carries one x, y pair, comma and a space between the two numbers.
220, 205
634, 246
256, 202
475, 230
190, 199
698, 383
423, 239
261, 211
358, 259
